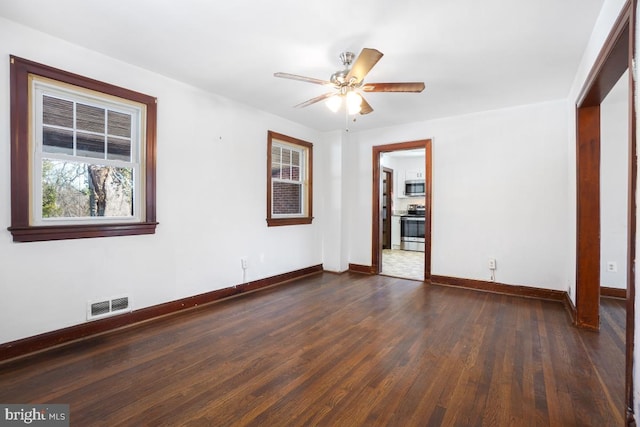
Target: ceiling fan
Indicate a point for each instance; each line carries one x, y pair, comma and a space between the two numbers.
349, 82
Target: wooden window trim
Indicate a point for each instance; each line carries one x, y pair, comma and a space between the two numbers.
308, 218
21, 227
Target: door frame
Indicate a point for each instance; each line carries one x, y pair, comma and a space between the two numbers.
616, 56
389, 201
376, 208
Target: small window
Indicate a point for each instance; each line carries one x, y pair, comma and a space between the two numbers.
83, 156
289, 189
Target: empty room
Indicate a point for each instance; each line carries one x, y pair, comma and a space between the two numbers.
338, 214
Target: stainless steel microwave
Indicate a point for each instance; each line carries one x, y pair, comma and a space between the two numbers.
414, 187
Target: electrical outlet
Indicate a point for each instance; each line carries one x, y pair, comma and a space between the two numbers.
492, 263
612, 267
244, 263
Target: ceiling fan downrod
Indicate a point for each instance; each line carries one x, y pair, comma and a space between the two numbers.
339, 77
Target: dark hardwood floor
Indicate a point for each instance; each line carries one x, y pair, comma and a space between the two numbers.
340, 350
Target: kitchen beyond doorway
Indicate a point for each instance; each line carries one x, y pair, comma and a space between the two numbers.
389, 156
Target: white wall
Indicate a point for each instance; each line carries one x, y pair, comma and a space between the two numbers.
330, 197
211, 204
499, 190
614, 185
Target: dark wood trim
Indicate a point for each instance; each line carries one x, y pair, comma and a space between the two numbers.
571, 308
44, 233
610, 64
428, 202
386, 227
588, 217
363, 269
21, 228
616, 56
25, 346
308, 218
500, 288
613, 292
376, 231
279, 222
632, 212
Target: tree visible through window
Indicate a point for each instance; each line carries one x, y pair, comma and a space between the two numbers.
289, 188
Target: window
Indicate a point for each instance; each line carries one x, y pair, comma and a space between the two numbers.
289, 189
83, 156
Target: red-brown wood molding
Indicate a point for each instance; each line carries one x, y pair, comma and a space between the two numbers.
613, 292
363, 269
500, 288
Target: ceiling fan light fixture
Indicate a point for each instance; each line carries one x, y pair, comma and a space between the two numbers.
354, 101
334, 102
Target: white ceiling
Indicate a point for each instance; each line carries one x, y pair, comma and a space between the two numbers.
472, 55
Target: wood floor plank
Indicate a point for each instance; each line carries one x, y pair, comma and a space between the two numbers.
340, 350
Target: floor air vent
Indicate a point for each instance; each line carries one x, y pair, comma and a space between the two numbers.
98, 309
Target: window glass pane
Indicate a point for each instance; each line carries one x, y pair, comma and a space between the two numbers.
57, 140
73, 190
286, 172
295, 158
275, 154
286, 198
88, 145
118, 149
118, 124
275, 162
57, 112
286, 156
90, 118
275, 170
295, 173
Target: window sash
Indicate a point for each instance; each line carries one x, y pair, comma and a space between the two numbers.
40, 89
282, 164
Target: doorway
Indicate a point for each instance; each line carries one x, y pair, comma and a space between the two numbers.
378, 208
616, 57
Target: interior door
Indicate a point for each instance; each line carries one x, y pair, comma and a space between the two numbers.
387, 206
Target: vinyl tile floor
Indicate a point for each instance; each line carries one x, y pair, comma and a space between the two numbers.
405, 264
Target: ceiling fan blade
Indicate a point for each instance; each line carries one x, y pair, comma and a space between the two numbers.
314, 100
393, 87
365, 108
363, 64
302, 78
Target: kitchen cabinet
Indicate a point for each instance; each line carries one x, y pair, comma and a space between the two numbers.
414, 174
395, 232
407, 175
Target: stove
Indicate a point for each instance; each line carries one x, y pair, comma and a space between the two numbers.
412, 229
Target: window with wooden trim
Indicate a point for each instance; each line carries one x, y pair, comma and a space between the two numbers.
83, 156
289, 180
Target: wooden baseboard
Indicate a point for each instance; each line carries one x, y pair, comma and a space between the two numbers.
613, 292
25, 346
500, 288
364, 269
631, 420
571, 309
